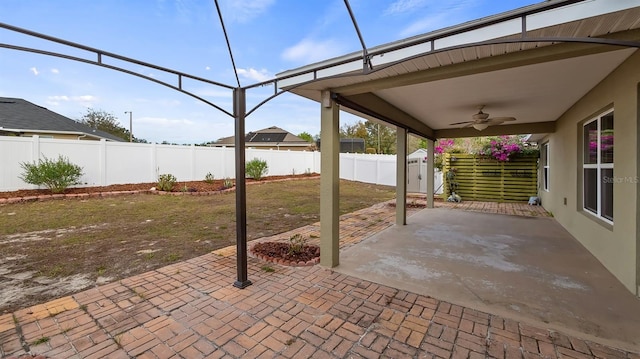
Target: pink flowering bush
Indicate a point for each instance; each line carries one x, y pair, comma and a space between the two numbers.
503, 149
442, 146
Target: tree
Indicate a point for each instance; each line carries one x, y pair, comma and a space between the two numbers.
414, 143
381, 137
306, 136
107, 122
357, 130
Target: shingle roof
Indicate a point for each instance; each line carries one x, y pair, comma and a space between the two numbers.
18, 115
272, 134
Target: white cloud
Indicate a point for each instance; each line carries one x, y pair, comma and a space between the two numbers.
245, 10
307, 51
256, 75
55, 71
85, 100
404, 6
207, 68
34, 71
58, 98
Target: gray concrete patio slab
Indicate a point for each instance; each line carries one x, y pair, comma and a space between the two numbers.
525, 268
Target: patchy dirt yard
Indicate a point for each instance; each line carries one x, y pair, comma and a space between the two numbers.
57, 247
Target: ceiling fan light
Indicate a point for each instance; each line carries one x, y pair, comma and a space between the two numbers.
480, 126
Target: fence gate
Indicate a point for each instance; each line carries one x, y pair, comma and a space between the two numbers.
478, 178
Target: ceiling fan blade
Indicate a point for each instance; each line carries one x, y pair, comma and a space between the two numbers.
499, 120
460, 123
502, 119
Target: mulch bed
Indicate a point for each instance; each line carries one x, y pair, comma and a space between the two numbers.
181, 187
278, 252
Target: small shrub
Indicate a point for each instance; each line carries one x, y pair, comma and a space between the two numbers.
40, 340
166, 182
268, 269
227, 183
297, 243
256, 169
55, 175
209, 178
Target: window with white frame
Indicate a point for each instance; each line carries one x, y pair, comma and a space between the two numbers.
597, 166
544, 159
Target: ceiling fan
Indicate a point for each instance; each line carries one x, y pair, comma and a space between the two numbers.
481, 120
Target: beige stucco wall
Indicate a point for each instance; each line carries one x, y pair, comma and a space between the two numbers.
615, 246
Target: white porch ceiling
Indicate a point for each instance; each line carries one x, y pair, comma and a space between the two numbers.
533, 93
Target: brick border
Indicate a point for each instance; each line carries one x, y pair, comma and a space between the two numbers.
281, 261
46, 197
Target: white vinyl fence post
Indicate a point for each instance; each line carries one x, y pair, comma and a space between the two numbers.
193, 162
154, 161
102, 162
35, 155
378, 174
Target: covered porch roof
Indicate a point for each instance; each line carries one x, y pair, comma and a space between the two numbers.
532, 64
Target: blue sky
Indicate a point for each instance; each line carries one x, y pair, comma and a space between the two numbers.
266, 36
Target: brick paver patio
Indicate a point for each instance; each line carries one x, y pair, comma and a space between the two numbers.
191, 310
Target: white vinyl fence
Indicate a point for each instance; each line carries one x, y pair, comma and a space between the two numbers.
106, 163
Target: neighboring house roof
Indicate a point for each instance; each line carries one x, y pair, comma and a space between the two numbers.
20, 116
267, 137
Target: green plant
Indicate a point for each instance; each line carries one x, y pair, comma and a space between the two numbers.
56, 175
172, 257
166, 182
209, 178
101, 270
268, 269
297, 243
40, 340
256, 169
451, 180
227, 183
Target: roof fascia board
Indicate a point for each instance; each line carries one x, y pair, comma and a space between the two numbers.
577, 11
53, 132
515, 22
517, 129
375, 106
30, 130
488, 64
